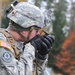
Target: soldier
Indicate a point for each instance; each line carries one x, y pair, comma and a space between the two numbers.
22, 42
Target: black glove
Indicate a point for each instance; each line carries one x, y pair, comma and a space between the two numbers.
42, 44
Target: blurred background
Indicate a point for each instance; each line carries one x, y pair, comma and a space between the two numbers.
60, 21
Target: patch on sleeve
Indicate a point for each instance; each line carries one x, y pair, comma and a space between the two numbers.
7, 57
5, 45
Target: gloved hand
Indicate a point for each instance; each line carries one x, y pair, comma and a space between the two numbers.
42, 44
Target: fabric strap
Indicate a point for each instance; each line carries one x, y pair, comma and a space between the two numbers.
11, 42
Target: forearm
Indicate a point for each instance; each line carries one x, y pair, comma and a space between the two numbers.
42, 67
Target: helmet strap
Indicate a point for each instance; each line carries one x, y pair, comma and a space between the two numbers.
18, 32
31, 29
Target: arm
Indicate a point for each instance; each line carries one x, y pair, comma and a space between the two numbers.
42, 67
10, 66
43, 45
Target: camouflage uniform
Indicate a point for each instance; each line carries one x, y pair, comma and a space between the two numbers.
10, 66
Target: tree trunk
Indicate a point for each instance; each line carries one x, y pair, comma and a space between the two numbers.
72, 16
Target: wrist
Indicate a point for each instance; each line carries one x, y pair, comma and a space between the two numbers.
42, 57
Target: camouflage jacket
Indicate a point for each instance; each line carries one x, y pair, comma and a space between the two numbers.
9, 65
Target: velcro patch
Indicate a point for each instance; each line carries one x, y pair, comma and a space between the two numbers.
7, 57
5, 45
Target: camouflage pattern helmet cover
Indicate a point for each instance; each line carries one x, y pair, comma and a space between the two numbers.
27, 15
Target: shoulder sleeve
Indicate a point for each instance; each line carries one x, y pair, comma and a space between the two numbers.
5, 45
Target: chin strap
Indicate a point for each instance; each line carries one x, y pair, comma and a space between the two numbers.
31, 29
18, 32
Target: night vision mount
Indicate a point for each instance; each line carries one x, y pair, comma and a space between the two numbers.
11, 7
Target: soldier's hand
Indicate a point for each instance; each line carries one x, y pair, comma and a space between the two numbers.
43, 44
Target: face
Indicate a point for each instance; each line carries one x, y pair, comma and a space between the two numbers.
24, 36
27, 35
33, 34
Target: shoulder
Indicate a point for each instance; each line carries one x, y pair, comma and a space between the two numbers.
2, 37
3, 42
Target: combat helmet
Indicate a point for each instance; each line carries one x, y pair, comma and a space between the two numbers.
26, 15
